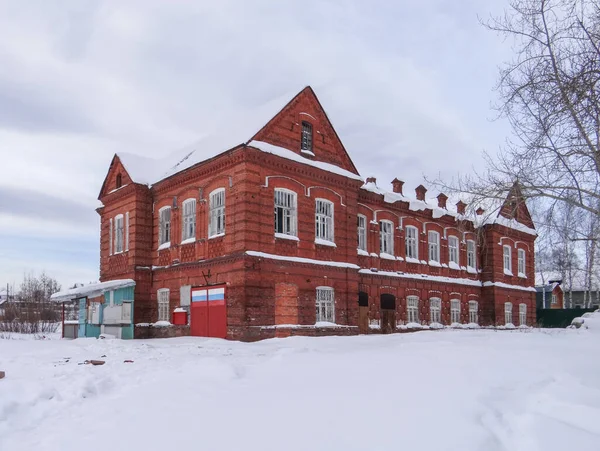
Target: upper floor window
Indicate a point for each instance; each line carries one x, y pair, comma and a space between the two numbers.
454, 311
412, 309
119, 233
412, 240
435, 308
216, 225
473, 312
453, 255
325, 304
507, 260
307, 136
471, 256
324, 220
521, 262
164, 226
386, 241
189, 220
522, 314
163, 305
285, 212
508, 313
434, 246
362, 232
119, 182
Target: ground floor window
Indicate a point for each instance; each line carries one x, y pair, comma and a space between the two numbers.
435, 307
325, 304
522, 314
454, 311
412, 309
507, 313
163, 305
474, 312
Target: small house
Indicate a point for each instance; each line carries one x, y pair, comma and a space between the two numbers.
98, 308
549, 295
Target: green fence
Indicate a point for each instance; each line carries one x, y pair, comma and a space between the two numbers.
559, 317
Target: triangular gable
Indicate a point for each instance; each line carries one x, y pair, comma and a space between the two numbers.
115, 170
285, 130
514, 207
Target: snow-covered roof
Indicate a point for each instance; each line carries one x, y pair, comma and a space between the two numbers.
490, 215
237, 129
91, 290
575, 281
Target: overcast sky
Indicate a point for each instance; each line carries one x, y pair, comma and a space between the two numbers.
407, 85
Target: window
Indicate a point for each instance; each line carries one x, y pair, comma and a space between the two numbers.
164, 226
307, 137
522, 314
473, 312
110, 236
386, 237
435, 307
471, 258
507, 260
324, 220
189, 220
119, 234
412, 239
554, 300
362, 232
163, 305
119, 183
521, 262
507, 313
412, 309
216, 225
434, 246
325, 305
285, 212
453, 250
454, 311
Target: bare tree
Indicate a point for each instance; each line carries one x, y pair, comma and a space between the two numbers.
549, 93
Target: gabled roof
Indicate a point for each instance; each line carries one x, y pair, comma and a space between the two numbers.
239, 129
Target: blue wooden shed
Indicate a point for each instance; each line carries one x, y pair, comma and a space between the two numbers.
98, 308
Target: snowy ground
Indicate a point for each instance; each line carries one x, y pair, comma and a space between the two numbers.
438, 390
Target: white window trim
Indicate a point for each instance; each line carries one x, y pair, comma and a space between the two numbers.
507, 265
521, 263
522, 314
508, 313
435, 310
474, 312
387, 238
454, 311
412, 242
293, 211
451, 248
110, 236
473, 253
184, 235
327, 304
164, 313
433, 246
214, 212
164, 244
126, 231
362, 232
329, 238
553, 299
118, 218
412, 309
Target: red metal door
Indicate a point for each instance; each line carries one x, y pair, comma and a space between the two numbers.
209, 312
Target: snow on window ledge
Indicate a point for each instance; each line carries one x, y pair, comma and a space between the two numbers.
471, 270
508, 272
386, 256
164, 246
416, 261
325, 324
189, 240
444, 265
454, 265
307, 152
325, 242
217, 235
434, 263
362, 252
522, 275
285, 236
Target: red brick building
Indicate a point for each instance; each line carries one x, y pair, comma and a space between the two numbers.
268, 230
